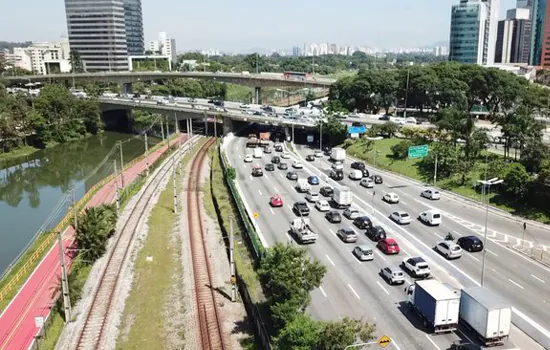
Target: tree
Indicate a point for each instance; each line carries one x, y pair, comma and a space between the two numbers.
336, 335
333, 130
76, 62
516, 181
302, 333
2, 64
287, 273
95, 226
534, 154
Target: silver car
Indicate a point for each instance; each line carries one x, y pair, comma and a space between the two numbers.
393, 274
351, 213
449, 249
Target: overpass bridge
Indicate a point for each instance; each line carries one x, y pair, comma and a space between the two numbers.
256, 81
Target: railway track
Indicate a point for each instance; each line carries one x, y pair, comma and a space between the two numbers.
211, 336
91, 334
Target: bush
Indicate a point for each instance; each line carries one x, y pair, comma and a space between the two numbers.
401, 150
231, 173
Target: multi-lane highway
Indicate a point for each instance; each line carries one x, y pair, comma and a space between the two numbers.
354, 288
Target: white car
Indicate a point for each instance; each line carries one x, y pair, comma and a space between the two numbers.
297, 165
431, 193
202, 108
248, 158
322, 205
244, 106
449, 249
431, 217
318, 154
338, 166
351, 213
285, 155
417, 266
312, 197
367, 182
401, 217
391, 197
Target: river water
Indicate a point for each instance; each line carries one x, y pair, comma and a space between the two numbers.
33, 188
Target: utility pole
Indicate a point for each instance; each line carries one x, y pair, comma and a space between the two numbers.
232, 260
435, 171
406, 94
257, 63
292, 132
121, 165
373, 194
162, 129
216, 127
321, 136
75, 211
146, 156
64, 280
116, 188
168, 133
174, 183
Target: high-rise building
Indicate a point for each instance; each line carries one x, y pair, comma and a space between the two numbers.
538, 19
514, 37
296, 51
133, 19
163, 46
493, 6
469, 39
103, 32
42, 57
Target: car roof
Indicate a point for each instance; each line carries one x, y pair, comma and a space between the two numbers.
390, 240
364, 246
394, 268
473, 238
418, 259
392, 193
322, 201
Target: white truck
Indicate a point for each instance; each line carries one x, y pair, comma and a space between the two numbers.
258, 152
301, 229
302, 185
487, 313
436, 303
338, 154
342, 197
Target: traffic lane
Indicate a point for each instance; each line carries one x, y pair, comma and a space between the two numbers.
469, 212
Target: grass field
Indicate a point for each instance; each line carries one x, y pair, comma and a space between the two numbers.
238, 93
144, 324
411, 168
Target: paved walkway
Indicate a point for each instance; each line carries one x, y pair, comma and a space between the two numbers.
37, 296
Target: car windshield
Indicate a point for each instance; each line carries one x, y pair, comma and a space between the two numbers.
403, 215
455, 248
348, 232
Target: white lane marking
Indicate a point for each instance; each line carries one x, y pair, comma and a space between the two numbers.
331, 231
244, 165
438, 235
473, 257
388, 204
330, 260
517, 284
250, 177
260, 192
275, 189
265, 175
433, 343
395, 344
323, 291
538, 279
381, 286
240, 157
353, 291
272, 212
281, 175
380, 255
490, 251
457, 233
289, 208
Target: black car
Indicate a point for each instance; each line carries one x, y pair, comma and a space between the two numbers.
336, 175
375, 233
362, 222
257, 172
377, 179
270, 167
310, 157
301, 208
470, 243
275, 160
385, 117
292, 175
326, 191
358, 165
365, 172
282, 166
333, 216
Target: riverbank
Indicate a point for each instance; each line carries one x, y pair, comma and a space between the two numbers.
18, 152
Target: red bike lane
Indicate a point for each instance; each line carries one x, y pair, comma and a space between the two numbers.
37, 296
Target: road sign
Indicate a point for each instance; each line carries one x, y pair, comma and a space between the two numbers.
357, 129
384, 341
418, 151
256, 215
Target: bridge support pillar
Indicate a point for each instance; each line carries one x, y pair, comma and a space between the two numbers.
227, 125
127, 88
258, 95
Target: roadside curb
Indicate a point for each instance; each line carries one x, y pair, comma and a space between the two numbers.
519, 251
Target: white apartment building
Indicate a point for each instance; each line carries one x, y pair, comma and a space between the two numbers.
42, 57
163, 47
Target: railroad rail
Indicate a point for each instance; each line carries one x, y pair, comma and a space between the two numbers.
211, 335
91, 334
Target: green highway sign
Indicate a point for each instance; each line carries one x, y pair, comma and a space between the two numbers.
418, 151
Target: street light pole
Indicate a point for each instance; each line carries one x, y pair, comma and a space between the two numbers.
435, 171
321, 137
488, 184
406, 94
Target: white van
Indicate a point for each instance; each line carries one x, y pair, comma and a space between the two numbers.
356, 175
258, 152
431, 217
302, 186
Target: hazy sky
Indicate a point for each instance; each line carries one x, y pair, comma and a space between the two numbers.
240, 25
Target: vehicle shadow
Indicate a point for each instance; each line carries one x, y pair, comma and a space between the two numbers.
412, 316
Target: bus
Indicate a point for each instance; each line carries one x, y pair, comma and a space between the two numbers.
298, 76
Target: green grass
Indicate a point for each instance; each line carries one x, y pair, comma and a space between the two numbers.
18, 152
238, 93
144, 324
411, 168
338, 75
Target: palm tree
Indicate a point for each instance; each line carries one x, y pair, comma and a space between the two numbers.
95, 227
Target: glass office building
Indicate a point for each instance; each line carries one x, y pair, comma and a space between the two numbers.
469, 39
134, 27
538, 18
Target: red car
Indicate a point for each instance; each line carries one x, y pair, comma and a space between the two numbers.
276, 201
388, 246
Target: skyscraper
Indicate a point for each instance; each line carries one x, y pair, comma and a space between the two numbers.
514, 37
538, 18
469, 32
104, 32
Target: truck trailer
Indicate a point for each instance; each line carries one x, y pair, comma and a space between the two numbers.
342, 197
487, 313
436, 303
338, 154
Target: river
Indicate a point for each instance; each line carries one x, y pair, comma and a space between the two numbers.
32, 188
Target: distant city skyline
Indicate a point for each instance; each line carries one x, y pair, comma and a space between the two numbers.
243, 26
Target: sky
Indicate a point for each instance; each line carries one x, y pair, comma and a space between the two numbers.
242, 25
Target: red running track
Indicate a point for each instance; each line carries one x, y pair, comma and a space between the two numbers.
37, 296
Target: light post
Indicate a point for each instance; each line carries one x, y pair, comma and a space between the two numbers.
406, 93
377, 138
488, 184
